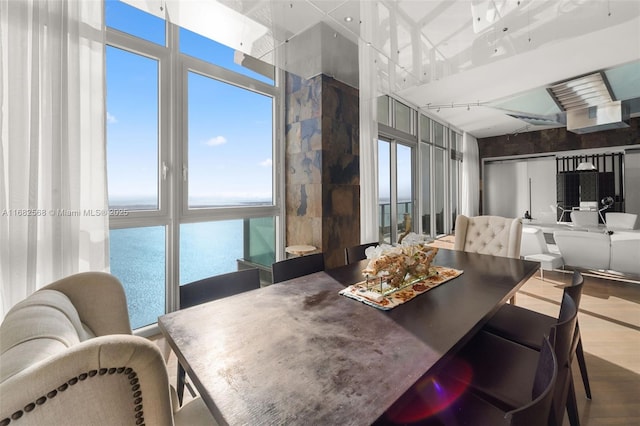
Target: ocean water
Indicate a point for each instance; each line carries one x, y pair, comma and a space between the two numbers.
137, 257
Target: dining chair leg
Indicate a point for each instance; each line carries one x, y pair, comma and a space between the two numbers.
572, 405
180, 384
583, 367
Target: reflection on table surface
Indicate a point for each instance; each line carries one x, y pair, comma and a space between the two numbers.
297, 352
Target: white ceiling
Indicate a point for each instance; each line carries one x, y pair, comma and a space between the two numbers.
466, 62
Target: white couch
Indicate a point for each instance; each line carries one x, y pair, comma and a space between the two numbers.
67, 357
619, 251
621, 221
625, 252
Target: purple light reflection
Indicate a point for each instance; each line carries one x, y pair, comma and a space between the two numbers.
431, 395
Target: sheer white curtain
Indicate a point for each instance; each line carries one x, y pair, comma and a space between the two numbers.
470, 192
368, 126
52, 155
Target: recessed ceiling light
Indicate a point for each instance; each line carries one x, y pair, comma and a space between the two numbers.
348, 19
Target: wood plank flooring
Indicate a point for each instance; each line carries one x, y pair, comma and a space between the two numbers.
609, 319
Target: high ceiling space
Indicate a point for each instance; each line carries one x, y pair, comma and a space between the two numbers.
472, 63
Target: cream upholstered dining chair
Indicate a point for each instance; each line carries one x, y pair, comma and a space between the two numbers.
67, 356
492, 235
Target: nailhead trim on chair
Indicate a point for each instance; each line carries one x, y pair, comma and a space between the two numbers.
131, 375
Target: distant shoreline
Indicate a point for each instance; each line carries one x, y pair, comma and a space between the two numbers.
153, 206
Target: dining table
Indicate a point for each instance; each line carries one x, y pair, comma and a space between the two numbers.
299, 352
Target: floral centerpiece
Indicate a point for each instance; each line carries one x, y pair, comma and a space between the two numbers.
393, 268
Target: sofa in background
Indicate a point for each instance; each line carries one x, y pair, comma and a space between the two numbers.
590, 250
67, 357
618, 251
625, 252
621, 221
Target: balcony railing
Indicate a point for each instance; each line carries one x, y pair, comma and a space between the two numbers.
384, 211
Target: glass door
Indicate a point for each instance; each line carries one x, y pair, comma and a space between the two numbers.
395, 190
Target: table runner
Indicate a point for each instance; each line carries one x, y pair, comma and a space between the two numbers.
358, 291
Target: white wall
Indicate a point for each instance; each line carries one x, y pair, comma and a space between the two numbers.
505, 189
506, 186
632, 182
512, 187
542, 172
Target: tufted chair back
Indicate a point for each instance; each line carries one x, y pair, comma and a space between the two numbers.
493, 235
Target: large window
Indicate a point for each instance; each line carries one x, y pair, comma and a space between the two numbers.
404, 189
138, 259
213, 248
455, 166
230, 144
433, 175
418, 172
208, 50
395, 185
439, 188
133, 146
439, 177
425, 174
396, 170
190, 159
384, 190
128, 19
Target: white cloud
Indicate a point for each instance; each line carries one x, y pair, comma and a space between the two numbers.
217, 140
111, 119
266, 163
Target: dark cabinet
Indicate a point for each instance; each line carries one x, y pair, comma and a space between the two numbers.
584, 186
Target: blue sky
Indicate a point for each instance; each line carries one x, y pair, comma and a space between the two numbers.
229, 129
403, 159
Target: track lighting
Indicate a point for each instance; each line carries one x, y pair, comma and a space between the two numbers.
453, 105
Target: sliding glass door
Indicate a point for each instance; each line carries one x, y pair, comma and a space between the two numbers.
395, 190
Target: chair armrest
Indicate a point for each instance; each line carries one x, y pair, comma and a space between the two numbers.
115, 379
99, 299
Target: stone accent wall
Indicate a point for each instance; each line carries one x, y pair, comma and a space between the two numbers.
554, 140
322, 165
340, 169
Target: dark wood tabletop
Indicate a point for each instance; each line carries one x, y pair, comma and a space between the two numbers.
299, 353
452, 313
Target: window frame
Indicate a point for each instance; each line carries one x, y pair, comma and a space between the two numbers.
397, 137
148, 49
189, 64
425, 139
173, 211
